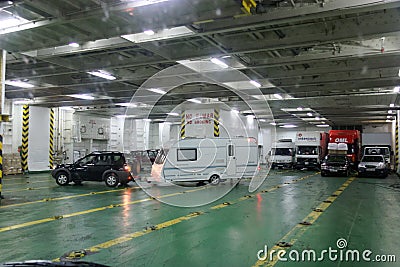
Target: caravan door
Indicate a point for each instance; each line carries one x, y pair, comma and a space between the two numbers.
231, 158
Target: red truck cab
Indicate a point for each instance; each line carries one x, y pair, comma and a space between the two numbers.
353, 140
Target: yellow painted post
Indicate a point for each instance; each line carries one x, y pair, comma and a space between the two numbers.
25, 135
216, 123
183, 125
51, 140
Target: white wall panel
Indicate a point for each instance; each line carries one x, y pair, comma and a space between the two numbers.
39, 134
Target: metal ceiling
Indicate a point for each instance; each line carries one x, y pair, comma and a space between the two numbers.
339, 59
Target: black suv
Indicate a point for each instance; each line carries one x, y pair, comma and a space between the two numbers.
335, 165
109, 167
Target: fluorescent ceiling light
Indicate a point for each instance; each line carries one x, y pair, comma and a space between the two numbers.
255, 83
250, 116
389, 121
138, 3
82, 96
396, 89
11, 21
273, 123
102, 74
262, 120
73, 44
389, 117
156, 90
175, 32
296, 109
322, 125
391, 105
235, 111
67, 108
227, 56
146, 119
288, 126
309, 114
390, 111
149, 32
278, 96
131, 105
22, 102
219, 62
193, 100
20, 84
317, 118
172, 113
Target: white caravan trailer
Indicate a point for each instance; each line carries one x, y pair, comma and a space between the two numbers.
198, 159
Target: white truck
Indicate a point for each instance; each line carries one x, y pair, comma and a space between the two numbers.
378, 144
208, 159
310, 149
281, 154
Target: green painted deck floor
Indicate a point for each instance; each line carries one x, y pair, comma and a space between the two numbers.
124, 227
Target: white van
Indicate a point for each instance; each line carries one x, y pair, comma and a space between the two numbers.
199, 160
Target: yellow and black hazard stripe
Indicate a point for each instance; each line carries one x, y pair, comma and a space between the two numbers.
25, 134
249, 5
1, 164
216, 123
397, 145
183, 125
51, 140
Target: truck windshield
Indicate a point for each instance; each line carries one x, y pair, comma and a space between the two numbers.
376, 151
307, 150
372, 159
336, 159
282, 151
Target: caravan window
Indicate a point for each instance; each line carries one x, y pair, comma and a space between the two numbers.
187, 154
230, 151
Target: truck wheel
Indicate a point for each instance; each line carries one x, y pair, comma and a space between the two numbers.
111, 180
62, 178
214, 179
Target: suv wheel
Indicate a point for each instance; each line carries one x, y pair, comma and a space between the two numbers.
111, 179
62, 178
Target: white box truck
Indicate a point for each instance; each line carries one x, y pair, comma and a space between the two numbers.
281, 154
206, 159
310, 149
378, 144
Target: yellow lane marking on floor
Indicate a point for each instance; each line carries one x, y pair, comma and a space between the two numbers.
29, 182
166, 224
137, 234
28, 189
297, 231
66, 197
58, 217
271, 189
25, 177
141, 233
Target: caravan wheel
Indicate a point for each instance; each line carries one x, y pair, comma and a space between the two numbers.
214, 179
